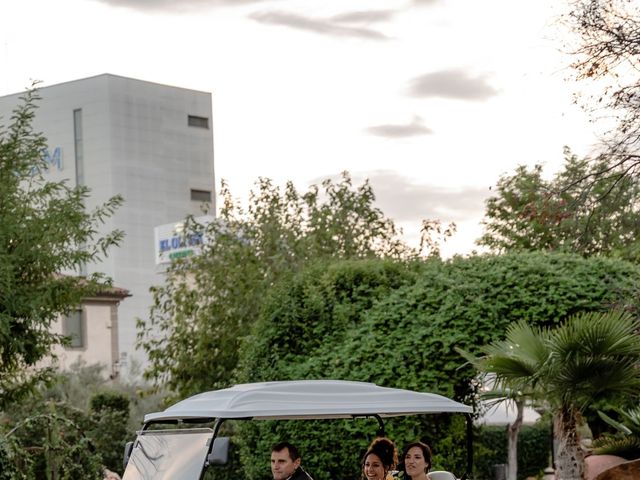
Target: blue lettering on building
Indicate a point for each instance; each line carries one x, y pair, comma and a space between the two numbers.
177, 242
53, 159
164, 245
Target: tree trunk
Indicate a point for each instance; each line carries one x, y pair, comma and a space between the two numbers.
513, 430
570, 456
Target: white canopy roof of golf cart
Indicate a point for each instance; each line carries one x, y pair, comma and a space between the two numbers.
307, 399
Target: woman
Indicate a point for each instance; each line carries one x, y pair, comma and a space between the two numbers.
380, 459
416, 461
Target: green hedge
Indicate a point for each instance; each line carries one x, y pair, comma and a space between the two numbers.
534, 450
396, 325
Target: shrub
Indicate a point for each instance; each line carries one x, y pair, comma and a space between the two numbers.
109, 433
51, 443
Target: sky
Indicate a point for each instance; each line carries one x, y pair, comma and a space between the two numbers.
431, 100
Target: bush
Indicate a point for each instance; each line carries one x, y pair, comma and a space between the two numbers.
109, 401
50, 443
7, 465
92, 416
109, 434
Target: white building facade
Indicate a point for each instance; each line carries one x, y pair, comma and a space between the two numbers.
92, 329
150, 143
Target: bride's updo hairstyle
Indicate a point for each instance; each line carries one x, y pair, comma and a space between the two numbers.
385, 450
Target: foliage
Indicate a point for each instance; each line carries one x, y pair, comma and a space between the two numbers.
51, 444
210, 301
7, 459
626, 441
88, 409
490, 448
397, 325
78, 384
45, 231
589, 357
106, 401
109, 433
571, 212
606, 57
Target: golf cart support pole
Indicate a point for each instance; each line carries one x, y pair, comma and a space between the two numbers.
380, 425
216, 429
469, 471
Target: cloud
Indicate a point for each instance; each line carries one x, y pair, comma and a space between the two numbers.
454, 83
424, 3
324, 26
412, 129
365, 16
405, 201
173, 5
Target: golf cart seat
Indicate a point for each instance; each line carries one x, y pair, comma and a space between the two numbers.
441, 475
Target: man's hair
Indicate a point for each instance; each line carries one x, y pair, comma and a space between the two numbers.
293, 451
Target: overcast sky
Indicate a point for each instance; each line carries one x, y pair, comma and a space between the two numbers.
432, 100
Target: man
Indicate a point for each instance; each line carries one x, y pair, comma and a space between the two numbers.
285, 463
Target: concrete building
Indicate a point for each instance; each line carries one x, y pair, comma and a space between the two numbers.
151, 143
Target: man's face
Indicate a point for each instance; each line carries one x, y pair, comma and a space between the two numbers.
282, 466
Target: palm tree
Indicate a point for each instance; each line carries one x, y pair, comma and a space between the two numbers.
512, 390
590, 357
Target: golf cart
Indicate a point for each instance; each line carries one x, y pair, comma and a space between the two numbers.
185, 453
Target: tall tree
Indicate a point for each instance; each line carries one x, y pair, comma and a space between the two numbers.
571, 212
590, 357
45, 231
208, 302
607, 60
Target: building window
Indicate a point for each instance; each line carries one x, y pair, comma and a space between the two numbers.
201, 195
79, 146
79, 160
73, 327
201, 122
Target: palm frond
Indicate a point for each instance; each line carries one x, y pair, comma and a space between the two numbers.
527, 343
585, 379
469, 357
597, 334
617, 425
632, 420
519, 357
627, 447
594, 354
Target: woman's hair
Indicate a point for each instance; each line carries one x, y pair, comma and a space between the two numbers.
426, 453
386, 451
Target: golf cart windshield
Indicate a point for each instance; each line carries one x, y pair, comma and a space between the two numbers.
175, 454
